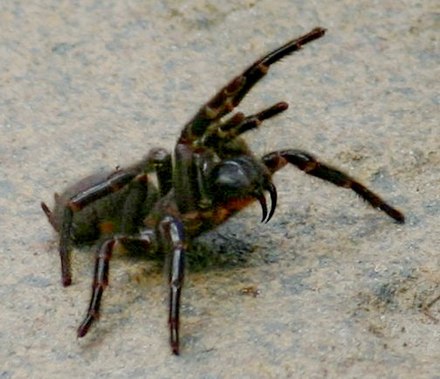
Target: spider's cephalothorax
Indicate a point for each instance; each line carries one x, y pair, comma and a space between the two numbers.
214, 176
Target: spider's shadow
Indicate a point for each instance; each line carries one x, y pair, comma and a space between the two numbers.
221, 249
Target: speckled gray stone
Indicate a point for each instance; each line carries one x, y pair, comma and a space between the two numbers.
343, 291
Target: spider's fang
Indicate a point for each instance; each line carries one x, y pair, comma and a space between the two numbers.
263, 203
273, 200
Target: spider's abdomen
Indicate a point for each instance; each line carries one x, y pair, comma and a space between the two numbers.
119, 212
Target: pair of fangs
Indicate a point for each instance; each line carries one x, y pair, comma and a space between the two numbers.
273, 202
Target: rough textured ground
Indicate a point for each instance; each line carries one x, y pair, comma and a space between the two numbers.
343, 291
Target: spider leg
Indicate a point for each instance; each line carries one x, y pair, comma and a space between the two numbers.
161, 161
239, 124
113, 183
231, 95
50, 216
307, 163
172, 234
100, 276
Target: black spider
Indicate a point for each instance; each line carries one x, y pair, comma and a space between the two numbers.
214, 176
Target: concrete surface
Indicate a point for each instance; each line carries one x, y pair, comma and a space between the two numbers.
343, 291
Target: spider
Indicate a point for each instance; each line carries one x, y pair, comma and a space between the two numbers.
214, 176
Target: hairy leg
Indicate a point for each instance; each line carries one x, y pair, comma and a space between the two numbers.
101, 274
231, 95
162, 163
172, 236
304, 161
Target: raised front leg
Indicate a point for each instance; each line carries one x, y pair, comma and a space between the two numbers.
232, 94
173, 240
307, 163
226, 134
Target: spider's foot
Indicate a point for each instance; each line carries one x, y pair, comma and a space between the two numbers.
175, 348
66, 281
85, 325
393, 213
